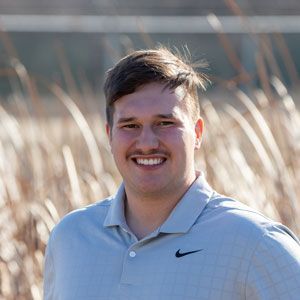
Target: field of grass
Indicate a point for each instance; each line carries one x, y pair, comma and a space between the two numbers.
52, 163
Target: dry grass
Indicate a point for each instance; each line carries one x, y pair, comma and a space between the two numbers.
50, 165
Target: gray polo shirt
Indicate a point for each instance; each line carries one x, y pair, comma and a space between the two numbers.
210, 247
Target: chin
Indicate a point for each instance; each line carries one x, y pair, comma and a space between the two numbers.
154, 190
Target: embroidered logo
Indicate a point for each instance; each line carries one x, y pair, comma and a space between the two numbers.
180, 254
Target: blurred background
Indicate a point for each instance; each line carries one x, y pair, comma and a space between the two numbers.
54, 155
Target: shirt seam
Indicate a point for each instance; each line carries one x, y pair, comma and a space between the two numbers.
251, 258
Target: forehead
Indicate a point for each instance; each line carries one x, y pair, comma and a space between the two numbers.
151, 99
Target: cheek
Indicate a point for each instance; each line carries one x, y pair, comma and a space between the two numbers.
185, 144
120, 142
171, 134
119, 137
180, 137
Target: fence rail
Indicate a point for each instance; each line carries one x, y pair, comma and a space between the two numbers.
149, 24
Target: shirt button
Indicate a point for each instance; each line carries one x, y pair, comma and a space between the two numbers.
132, 254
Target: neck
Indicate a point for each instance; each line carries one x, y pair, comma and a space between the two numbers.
144, 216
145, 213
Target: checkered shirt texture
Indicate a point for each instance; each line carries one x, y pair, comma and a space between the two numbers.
210, 247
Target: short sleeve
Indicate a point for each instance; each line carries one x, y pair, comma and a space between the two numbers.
274, 269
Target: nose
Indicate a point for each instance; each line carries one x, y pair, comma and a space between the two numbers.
147, 140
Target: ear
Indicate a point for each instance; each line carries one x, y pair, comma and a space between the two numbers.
108, 132
199, 126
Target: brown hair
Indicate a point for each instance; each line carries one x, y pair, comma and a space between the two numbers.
147, 66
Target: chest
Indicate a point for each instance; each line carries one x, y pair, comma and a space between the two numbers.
171, 266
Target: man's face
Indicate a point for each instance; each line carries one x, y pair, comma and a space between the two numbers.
153, 139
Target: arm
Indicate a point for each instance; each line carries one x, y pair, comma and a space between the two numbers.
274, 270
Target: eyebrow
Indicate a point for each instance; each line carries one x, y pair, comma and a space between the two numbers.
131, 119
125, 120
165, 116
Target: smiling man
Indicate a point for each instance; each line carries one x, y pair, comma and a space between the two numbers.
166, 234
153, 143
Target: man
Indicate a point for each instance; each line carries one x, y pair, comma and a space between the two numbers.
166, 234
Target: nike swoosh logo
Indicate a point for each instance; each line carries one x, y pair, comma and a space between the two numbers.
180, 254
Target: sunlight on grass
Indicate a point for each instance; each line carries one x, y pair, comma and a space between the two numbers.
51, 163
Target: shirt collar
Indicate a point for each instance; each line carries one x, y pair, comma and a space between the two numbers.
181, 219
189, 208
115, 215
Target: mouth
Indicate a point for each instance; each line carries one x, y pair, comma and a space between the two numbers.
149, 161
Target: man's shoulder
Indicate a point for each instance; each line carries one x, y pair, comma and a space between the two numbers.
97, 209
232, 210
232, 216
82, 219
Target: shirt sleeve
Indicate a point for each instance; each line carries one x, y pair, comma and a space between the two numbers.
49, 274
274, 269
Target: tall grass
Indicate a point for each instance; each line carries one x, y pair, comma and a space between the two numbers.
52, 164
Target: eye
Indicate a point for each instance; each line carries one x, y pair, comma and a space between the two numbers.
166, 123
130, 126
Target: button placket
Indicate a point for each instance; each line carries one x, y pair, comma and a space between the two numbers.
130, 265
132, 254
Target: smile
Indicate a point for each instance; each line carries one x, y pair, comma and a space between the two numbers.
149, 161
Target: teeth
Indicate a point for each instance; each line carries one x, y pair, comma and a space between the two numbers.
149, 162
